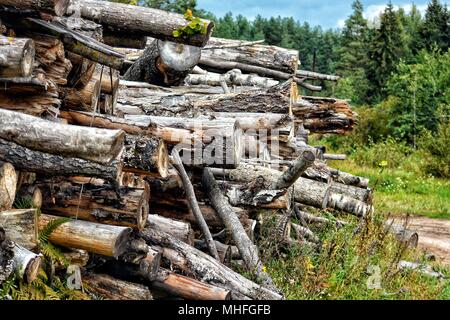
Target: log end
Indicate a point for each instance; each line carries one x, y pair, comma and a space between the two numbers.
8, 185
120, 245
163, 160
32, 269
178, 56
28, 55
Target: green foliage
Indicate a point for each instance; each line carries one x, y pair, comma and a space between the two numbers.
50, 251
435, 29
195, 26
436, 149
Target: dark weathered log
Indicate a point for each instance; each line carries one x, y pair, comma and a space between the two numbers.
20, 226
321, 172
93, 237
164, 63
83, 99
312, 219
203, 266
226, 252
102, 204
113, 289
145, 155
137, 20
294, 171
402, 234
93, 144
188, 288
48, 164
6, 257
179, 229
56, 7
31, 104
247, 249
270, 57
124, 40
8, 185
303, 232
16, 57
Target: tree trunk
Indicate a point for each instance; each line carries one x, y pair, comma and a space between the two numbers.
52, 165
248, 251
8, 184
136, 20
164, 63
145, 155
178, 229
113, 289
270, 57
98, 145
56, 7
101, 204
16, 57
93, 237
205, 267
188, 288
21, 226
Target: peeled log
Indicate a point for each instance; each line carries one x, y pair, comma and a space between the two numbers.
188, 288
48, 164
164, 63
20, 226
113, 289
205, 267
8, 184
106, 240
16, 57
56, 7
101, 204
137, 20
178, 229
93, 144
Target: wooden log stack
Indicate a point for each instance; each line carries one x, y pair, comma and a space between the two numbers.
156, 175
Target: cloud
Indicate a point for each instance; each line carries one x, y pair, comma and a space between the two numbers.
373, 12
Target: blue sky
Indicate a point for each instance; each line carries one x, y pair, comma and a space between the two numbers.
327, 13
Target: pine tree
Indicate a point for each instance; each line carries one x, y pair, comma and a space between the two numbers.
435, 29
388, 46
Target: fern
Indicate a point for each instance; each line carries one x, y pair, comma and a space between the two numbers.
53, 253
45, 233
23, 203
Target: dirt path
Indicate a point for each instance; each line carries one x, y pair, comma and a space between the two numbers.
434, 236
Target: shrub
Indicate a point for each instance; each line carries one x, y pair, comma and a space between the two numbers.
436, 149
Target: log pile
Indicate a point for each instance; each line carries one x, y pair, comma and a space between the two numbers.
157, 163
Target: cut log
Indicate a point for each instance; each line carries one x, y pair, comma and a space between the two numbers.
270, 57
26, 263
137, 20
55, 7
312, 219
16, 57
145, 155
164, 63
8, 185
84, 99
226, 252
306, 191
188, 288
247, 249
98, 145
48, 164
124, 40
315, 75
31, 104
102, 204
179, 229
21, 226
203, 266
232, 77
113, 289
93, 237
294, 171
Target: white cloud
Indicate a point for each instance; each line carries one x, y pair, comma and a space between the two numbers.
373, 12
341, 23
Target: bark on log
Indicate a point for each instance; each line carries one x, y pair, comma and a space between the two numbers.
56, 7
83, 99
124, 40
306, 191
164, 63
101, 204
178, 229
226, 252
205, 267
113, 289
21, 226
270, 57
16, 57
30, 104
122, 18
145, 155
98, 145
8, 184
188, 288
26, 263
315, 75
48, 164
93, 237
294, 171
247, 249
232, 77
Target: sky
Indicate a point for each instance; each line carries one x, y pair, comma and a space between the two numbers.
326, 13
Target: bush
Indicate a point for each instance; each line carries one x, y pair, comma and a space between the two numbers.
436, 150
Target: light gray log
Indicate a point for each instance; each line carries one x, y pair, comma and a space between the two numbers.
16, 57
